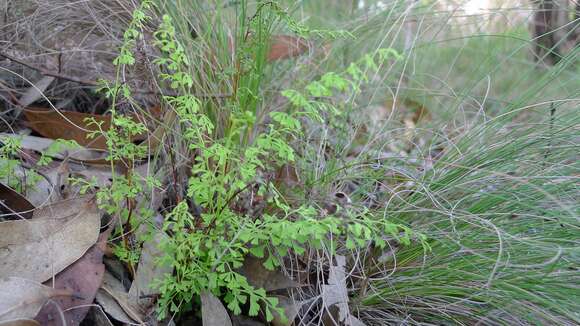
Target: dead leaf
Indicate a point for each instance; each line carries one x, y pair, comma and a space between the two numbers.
54, 238
99, 317
156, 137
213, 312
291, 309
40, 144
84, 277
57, 124
335, 293
112, 308
34, 93
23, 298
259, 277
141, 292
47, 190
287, 46
287, 175
20, 322
13, 205
120, 308
241, 320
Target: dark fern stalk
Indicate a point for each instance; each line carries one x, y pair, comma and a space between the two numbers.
551, 134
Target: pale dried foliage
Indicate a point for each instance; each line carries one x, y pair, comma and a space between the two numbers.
77, 39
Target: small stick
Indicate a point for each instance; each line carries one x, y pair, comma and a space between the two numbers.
548, 150
45, 72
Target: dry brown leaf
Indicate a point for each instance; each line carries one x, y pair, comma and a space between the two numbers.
120, 308
19, 322
112, 307
335, 294
291, 309
54, 238
99, 317
259, 277
287, 175
57, 124
34, 93
287, 46
13, 205
84, 277
213, 312
23, 298
141, 292
40, 144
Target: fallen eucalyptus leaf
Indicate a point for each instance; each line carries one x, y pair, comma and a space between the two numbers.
13, 205
54, 238
335, 293
291, 309
34, 92
77, 126
141, 292
20, 322
112, 307
260, 277
286, 46
40, 144
213, 312
120, 308
84, 277
23, 298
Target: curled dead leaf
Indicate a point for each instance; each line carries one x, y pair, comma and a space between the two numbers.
335, 295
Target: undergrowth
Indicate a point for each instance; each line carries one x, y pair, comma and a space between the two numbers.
465, 215
208, 237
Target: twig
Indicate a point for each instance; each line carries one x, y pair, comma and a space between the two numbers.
49, 73
45, 72
549, 149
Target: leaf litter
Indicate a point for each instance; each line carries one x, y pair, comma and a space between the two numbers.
23, 298
213, 312
84, 277
114, 299
55, 237
13, 205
